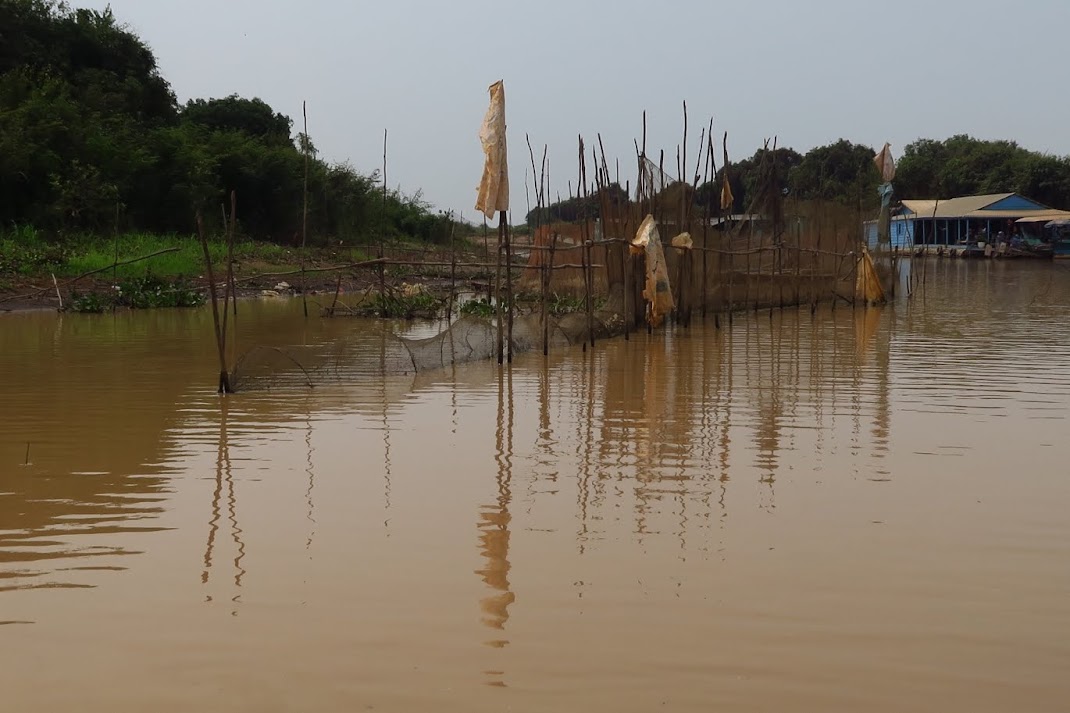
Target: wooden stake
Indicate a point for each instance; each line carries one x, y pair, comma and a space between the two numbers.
382, 225
304, 214
498, 288
586, 252
508, 288
453, 270
337, 290
224, 376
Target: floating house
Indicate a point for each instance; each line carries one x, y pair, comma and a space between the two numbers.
959, 221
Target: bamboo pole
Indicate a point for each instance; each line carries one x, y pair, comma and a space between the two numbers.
498, 289
304, 213
382, 225
224, 376
509, 289
453, 269
706, 220
337, 291
544, 272
230, 291
58, 295
586, 232
544, 307
813, 274
727, 234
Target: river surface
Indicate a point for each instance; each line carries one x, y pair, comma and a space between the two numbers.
850, 511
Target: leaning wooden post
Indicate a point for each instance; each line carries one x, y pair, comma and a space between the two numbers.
508, 289
624, 288
224, 376
382, 227
813, 272
230, 250
588, 258
232, 290
453, 270
304, 212
586, 254
544, 298
498, 288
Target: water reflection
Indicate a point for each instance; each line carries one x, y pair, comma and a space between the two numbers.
224, 495
494, 524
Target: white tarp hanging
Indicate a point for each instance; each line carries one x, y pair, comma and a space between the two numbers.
493, 194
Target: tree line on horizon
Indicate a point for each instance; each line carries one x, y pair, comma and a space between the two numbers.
844, 173
93, 139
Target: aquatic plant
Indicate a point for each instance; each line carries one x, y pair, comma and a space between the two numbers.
152, 291
148, 292
401, 306
481, 307
91, 302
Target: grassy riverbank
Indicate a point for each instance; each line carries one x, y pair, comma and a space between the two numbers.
95, 270
25, 253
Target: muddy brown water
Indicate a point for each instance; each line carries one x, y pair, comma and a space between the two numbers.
850, 511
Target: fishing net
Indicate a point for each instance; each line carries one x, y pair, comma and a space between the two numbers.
475, 338
344, 360
364, 355
868, 282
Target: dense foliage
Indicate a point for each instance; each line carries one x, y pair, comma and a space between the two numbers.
962, 166
92, 139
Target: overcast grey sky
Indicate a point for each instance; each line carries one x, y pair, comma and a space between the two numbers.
808, 72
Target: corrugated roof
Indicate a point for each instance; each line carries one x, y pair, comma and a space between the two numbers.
1045, 216
960, 207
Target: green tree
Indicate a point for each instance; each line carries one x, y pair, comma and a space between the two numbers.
842, 171
252, 117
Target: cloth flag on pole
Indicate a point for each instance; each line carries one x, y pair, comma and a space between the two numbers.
493, 193
885, 164
727, 199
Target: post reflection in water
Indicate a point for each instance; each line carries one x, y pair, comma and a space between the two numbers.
311, 473
493, 525
224, 491
662, 422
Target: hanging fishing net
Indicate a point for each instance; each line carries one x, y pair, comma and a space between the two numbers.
366, 355
475, 338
